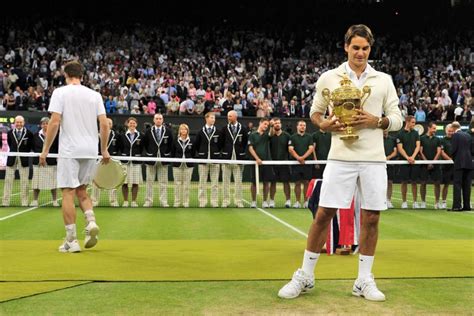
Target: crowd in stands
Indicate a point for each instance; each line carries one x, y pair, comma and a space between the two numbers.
175, 69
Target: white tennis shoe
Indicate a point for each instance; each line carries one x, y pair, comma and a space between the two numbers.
367, 289
300, 283
92, 232
70, 246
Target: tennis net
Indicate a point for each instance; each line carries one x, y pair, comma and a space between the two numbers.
174, 182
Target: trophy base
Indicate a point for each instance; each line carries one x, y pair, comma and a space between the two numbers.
349, 137
345, 251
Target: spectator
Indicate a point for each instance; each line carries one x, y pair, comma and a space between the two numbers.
151, 105
199, 106
458, 112
135, 110
420, 115
173, 106
134, 62
122, 105
111, 105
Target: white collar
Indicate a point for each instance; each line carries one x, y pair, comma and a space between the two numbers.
351, 72
209, 126
130, 132
352, 75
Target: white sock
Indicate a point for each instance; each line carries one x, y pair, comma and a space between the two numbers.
71, 232
90, 217
309, 262
365, 266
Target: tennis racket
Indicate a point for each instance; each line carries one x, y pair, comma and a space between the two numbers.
111, 175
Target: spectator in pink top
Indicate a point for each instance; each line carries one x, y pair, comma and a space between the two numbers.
151, 107
209, 96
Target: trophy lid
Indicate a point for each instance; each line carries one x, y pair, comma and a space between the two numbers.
346, 91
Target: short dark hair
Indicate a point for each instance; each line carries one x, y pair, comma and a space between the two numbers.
361, 30
74, 69
131, 119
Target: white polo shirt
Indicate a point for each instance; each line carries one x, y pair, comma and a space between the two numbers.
79, 107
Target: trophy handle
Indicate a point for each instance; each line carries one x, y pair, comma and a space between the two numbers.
365, 91
326, 95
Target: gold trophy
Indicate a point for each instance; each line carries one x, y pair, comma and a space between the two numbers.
345, 100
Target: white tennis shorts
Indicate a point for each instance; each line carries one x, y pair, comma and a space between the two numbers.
340, 180
73, 173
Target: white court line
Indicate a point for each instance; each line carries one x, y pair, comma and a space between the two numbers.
280, 220
26, 211
30, 190
32, 208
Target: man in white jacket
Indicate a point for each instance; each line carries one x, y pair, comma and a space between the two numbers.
354, 164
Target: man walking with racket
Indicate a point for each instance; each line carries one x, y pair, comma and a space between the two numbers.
75, 109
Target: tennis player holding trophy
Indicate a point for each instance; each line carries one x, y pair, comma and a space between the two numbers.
356, 160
